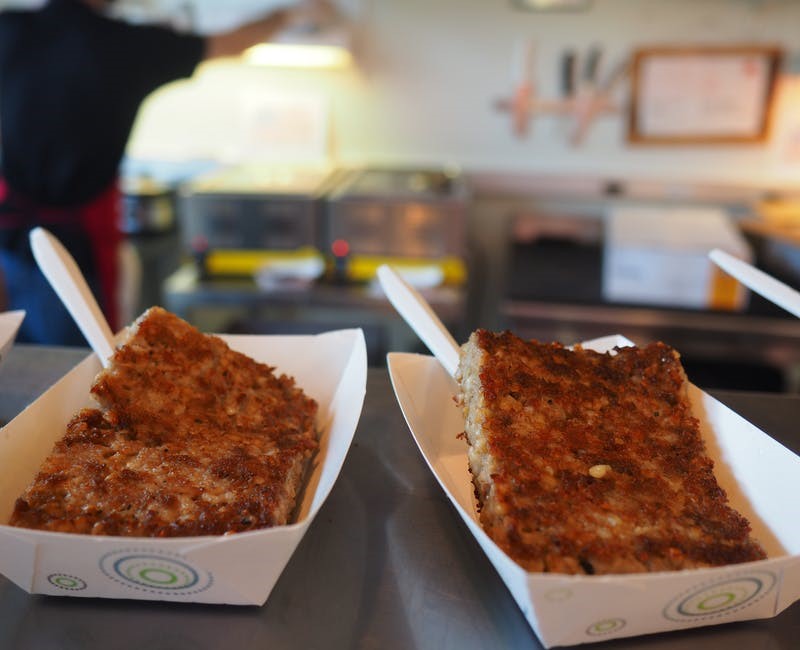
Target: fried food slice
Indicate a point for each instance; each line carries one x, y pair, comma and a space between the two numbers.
192, 438
593, 463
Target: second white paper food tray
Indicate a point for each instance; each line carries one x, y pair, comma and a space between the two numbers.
760, 476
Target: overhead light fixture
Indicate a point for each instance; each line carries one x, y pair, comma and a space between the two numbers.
553, 5
320, 45
287, 55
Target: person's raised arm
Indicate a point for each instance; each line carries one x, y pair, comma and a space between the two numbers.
234, 42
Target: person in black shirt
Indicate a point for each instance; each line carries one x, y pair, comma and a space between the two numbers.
71, 83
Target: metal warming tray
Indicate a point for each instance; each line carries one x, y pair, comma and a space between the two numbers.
400, 216
239, 217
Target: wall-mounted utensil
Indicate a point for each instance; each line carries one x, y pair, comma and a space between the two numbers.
583, 95
591, 67
568, 73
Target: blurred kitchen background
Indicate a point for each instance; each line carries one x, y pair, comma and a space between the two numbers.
528, 164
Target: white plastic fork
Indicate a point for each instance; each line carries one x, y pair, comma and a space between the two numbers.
416, 311
61, 270
762, 283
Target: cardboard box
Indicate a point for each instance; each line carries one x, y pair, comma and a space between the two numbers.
658, 255
760, 476
239, 569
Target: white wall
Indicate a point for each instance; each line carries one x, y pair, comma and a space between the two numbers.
430, 71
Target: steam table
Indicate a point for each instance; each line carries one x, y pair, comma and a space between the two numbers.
386, 564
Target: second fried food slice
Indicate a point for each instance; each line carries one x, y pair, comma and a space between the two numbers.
593, 463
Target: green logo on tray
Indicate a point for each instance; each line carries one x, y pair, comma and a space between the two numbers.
154, 572
606, 626
720, 599
64, 581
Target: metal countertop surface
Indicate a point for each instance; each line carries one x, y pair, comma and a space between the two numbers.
387, 563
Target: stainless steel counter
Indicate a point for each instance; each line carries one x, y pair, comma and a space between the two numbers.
386, 564
238, 305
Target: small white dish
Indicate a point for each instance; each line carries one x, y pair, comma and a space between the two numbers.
9, 326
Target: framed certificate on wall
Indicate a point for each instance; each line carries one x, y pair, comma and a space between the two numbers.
702, 95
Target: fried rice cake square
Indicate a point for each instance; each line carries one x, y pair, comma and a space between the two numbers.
191, 438
592, 463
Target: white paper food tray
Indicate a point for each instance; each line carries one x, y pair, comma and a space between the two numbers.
9, 325
239, 569
761, 477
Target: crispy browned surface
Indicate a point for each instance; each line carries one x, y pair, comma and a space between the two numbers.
192, 439
593, 463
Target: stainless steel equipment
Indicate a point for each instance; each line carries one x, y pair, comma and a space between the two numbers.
149, 223
240, 217
148, 206
402, 216
416, 218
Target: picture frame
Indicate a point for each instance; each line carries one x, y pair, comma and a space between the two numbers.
703, 94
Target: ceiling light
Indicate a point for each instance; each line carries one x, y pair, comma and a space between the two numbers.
283, 55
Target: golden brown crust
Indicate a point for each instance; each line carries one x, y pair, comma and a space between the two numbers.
192, 439
593, 463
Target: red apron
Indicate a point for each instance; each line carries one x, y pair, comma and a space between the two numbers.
100, 219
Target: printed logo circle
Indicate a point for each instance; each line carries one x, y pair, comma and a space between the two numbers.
720, 598
606, 626
558, 595
64, 581
154, 572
